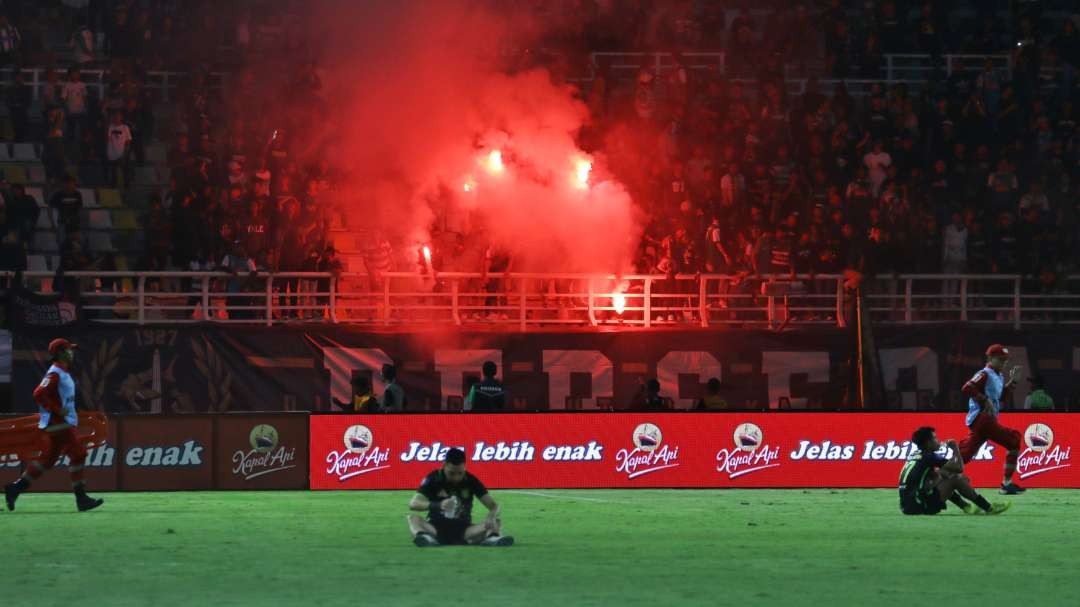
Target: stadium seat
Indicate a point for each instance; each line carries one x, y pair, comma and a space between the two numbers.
100, 220
91, 175
157, 154
37, 263
125, 219
146, 176
45, 242
89, 198
110, 198
38, 195
25, 152
101, 242
122, 264
54, 263
15, 173
5, 152
36, 173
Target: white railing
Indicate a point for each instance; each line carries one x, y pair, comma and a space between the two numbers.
161, 82
910, 69
523, 301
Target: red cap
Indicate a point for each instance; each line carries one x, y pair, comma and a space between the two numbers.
997, 350
58, 344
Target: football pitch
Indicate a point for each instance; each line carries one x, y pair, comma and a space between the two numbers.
595, 547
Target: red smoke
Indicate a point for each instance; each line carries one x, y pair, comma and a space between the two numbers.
437, 131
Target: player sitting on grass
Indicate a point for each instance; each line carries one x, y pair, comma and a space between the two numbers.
447, 495
929, 478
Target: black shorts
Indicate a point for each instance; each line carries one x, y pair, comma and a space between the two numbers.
450, 532
927, 503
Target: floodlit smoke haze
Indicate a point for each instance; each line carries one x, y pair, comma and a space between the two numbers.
439, 132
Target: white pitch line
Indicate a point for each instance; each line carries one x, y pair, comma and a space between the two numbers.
555, 496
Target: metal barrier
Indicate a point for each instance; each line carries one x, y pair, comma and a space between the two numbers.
163, 83
523, 301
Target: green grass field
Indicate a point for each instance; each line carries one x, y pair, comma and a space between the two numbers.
735, 547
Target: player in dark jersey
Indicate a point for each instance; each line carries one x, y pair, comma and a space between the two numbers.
447, 496
929, 478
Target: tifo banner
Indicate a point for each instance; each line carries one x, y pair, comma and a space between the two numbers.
596, 450
191, 452
222, 369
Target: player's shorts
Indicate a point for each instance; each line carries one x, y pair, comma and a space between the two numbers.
927, 503
987, 428
58, 443
449, 531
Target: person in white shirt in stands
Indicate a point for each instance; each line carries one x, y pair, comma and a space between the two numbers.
954, 254
74, 96
877, 162
117, 144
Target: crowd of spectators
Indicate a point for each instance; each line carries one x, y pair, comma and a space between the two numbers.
976, 169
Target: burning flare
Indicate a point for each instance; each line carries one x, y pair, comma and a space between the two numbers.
494, 162
619, 301
581, 173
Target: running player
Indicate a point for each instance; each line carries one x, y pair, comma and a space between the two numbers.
985, 392
55, 397
447, 495
929, 478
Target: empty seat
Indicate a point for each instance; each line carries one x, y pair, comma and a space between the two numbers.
25, 152
125, 219
15, 173
100, 220
122, 264
100, 242
156, 154
110, 198
36, 263
89, 198
54, 263
5, 152
45, 242
146, 176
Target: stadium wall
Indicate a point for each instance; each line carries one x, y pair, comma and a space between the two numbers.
205, 369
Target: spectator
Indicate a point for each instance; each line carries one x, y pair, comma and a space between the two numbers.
712, 401
68, 204
1038, 399
649, 398
117, 149
22, 212
73, 95
488, 394
1035, 198
393, 397
363, 398
10, 42
82, 43
19, 99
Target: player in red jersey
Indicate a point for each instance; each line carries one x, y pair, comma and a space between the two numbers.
986, 390
55, 397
